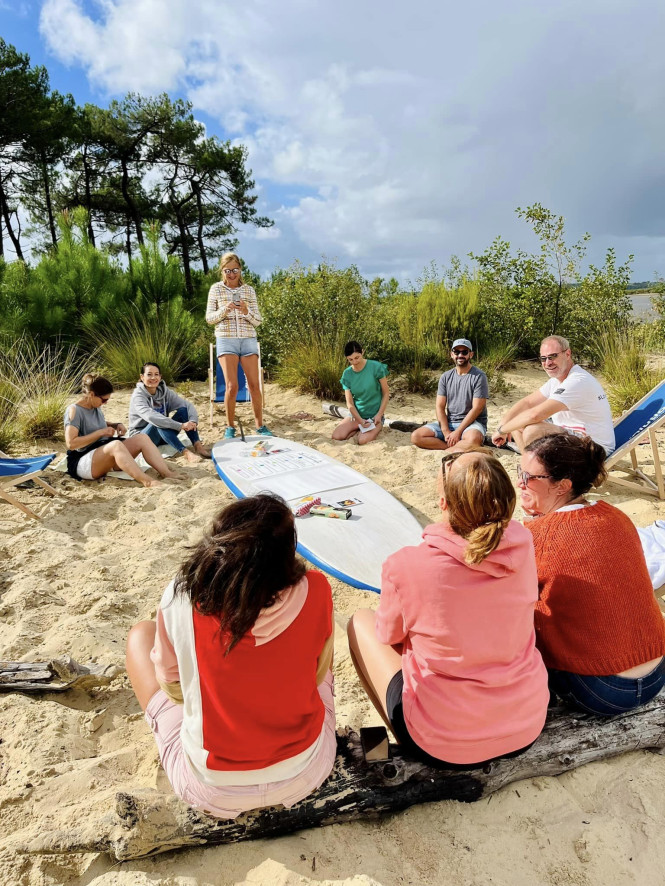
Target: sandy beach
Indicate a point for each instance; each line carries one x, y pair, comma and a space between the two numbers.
98, 562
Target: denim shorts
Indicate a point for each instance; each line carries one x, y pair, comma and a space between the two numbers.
241, 347
474, 426
606, 696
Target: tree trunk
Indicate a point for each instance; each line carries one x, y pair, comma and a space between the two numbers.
8, 224
199, 227
88, 195
147, 822
133, 212
49, 204
186, 265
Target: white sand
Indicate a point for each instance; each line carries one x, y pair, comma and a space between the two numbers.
99, 561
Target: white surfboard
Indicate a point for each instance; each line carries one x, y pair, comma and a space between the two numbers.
352, 550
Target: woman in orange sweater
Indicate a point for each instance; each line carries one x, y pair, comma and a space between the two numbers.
598, 625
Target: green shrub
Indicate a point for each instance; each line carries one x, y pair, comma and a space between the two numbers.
141, 335
314, 366
418, 380
36, 384
623, 358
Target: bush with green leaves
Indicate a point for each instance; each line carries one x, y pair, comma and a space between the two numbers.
293, 303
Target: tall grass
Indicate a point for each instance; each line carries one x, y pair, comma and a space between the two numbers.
623, 358
168, 339
36, 384
314, 365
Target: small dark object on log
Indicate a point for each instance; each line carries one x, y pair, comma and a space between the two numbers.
55, 675
394, 424
147, 822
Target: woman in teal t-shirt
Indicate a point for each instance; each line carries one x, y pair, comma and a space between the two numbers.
367, 394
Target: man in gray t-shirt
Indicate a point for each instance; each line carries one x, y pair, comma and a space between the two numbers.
461, 406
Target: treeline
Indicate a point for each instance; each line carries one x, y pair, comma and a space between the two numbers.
139, 162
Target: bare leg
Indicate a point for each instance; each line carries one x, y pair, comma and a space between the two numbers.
115, 456
425, 438
143, 444
140, 668
368, 436
375, 662
533, 432
345, 429
470, 440
229, 364
250, 367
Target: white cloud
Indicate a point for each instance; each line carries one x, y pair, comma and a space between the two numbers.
411, 136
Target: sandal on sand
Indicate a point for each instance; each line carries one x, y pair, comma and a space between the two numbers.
229, 433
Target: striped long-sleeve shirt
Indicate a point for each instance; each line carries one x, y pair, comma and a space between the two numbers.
230, 323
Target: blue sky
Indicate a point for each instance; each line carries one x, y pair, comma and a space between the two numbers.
390, 136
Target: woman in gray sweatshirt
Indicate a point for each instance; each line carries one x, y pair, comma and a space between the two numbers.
156, 410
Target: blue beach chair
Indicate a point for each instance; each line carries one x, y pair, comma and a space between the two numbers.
645, 417
15, 471
218, 385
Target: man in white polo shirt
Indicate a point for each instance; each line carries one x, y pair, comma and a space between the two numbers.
571, 401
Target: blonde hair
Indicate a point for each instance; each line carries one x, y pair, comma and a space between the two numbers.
481, 501
225, 260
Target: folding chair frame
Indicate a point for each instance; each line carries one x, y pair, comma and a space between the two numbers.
641, 482
10, 482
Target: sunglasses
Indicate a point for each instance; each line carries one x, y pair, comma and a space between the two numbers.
525, 476
462, 351
449, 458
231, 270
104, 399
550, 357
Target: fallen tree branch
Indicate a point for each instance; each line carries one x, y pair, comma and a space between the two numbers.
147, 822
55, 675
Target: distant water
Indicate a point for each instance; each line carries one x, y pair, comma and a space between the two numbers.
642, 307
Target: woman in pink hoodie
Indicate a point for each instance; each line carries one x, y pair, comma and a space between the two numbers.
449, 658
234, 676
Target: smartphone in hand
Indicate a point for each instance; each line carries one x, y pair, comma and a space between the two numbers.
236, 298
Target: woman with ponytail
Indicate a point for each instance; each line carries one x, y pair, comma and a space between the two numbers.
449, 658
598, 624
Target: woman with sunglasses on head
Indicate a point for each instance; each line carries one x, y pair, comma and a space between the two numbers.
449, 658
234, 312
366, 391
92, 450
234, 676
598, 625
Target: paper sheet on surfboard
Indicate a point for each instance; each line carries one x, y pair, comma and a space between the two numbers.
352, 550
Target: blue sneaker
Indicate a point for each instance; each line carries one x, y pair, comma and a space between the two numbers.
229, 433
264, 432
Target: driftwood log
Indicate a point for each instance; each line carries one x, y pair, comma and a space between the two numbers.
148, 822
395, 423
55, 675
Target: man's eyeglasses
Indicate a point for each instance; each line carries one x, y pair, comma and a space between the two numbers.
462, 351
525, 476
231, 270
546, 357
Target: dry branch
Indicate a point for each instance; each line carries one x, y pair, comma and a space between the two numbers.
55, 675
147, 822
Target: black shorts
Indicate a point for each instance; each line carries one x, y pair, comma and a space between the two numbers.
396, 717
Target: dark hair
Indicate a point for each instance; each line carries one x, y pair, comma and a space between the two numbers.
96, 384
352, 347
151, 363
481, 501
566, 457
243, 565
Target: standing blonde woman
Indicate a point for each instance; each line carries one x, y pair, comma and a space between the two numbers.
234, 312
449, 658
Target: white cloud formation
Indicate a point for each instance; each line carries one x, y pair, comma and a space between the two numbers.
390, 137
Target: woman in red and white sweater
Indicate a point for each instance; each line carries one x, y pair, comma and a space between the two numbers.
234, 676
598, 625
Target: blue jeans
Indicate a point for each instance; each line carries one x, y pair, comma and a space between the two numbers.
606, 696
159, 436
